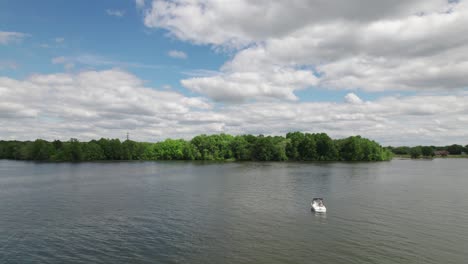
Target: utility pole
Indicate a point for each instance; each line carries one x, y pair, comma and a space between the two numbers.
128, 136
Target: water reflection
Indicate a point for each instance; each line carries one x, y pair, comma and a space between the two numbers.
182, 212
322, 217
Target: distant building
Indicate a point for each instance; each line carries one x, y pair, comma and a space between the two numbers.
442, 153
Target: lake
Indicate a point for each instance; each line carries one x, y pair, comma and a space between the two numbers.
403, 211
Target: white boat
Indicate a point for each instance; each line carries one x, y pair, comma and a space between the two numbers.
318, 205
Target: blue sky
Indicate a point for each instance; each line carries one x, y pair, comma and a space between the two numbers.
92, 32
394, 72
111, 41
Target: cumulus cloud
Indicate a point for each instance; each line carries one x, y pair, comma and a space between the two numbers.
116, 13
241, 22
278, 48
390, 120
9, 37
89, 104
109, 103
238, 86
411, 45
352, 98
177, 54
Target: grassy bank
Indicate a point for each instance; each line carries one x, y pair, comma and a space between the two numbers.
435, 157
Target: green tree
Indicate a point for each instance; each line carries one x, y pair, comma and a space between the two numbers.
308, 148
416, 152
112, 148
40, 150
92, 151
241, 149
326, 149
190, 152
205, 146
269, 149
295, 146
213, 147
402, 150
116, 149
170, 149
427, 151
104, 143
13, 149
71, 151
132, 150
295, 139
263, 149
57, 144
356, 148
455, 149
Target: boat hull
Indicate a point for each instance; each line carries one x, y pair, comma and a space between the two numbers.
318, 209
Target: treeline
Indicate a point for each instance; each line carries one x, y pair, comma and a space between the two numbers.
295, 146
429, 151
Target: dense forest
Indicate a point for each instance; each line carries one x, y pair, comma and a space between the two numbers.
430, 151
296, 146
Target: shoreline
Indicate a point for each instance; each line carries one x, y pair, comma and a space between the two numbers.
405, 157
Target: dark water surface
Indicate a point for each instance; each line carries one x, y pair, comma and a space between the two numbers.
180, 212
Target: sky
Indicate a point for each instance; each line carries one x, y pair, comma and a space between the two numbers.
393, 71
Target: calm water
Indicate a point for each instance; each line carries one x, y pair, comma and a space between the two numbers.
179, 212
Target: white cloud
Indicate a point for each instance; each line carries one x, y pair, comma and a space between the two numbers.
95, 104
9, 37
366, 45
200, 73
241, 22
58, 42
240, 86
89, 104
177, 54
140, 4
390, 120
116, 13
352, 98
99, 61
67, 63
279, 48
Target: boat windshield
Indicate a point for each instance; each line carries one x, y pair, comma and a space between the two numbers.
318, 201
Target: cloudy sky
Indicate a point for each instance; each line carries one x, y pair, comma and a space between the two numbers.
394, 71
